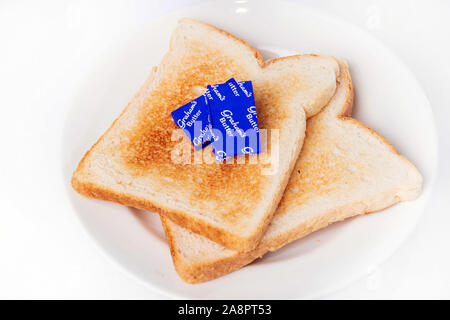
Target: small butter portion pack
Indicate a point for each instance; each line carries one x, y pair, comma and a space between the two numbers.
234, 120
224, 116
194, 119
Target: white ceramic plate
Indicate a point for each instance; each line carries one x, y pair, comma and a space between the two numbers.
387, 98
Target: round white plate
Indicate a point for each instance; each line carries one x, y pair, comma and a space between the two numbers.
387, 98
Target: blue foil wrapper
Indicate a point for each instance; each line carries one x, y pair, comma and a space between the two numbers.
225, 115
194, 119
234, 120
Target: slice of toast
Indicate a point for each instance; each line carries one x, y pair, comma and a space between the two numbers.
140, 161
344, 169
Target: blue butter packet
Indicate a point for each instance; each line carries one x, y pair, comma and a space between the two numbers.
233, 119
194, 119
249, 105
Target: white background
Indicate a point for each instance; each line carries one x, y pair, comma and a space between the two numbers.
47, 49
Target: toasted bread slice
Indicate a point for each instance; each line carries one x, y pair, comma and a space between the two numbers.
344, 169
136, 161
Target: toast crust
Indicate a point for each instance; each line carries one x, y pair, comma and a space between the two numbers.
233, 240
206, 270
209, 270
